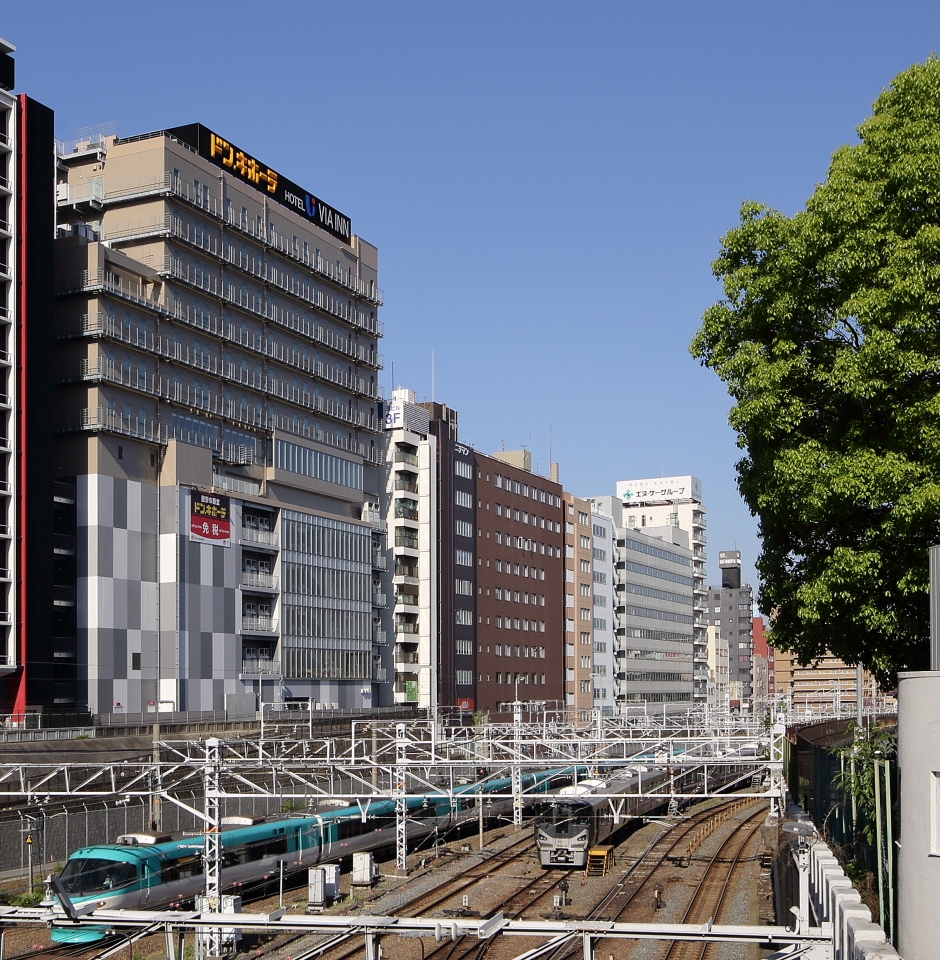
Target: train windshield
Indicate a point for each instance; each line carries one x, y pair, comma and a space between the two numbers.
564, 817
93, 875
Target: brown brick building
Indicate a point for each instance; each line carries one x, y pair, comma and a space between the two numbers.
520, 583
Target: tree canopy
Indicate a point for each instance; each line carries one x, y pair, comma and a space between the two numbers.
828, 338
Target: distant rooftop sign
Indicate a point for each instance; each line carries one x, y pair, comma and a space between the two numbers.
659, 490
220, 152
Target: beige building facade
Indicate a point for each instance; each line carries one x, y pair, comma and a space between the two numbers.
579, 607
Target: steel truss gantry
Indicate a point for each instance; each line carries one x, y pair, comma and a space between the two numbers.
390, 762
553, 933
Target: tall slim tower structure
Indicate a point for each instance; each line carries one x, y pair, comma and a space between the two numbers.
730, 607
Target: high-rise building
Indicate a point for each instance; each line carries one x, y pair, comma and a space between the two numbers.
216, 367
579, 607
676, 502
731, 606
603, 576
520, 577
653, 613
37, 670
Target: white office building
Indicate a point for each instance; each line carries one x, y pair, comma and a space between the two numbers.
676, 502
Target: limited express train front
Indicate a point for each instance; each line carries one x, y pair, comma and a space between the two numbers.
110, 876
564, 826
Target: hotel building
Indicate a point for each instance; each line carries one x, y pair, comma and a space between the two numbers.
216, 366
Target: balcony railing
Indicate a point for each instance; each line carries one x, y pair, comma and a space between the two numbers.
378, 599
402, 456
252, 624
63, 543
264, 581
262, 667
267, 537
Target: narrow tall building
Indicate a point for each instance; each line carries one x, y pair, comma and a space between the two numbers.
731, 607
37, 664
607, 655
579, 608
412, 490
216, 367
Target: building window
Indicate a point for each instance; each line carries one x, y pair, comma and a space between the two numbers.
585, 685
585, 663
463, 528
584, 613
464, 618
463, 469
464, 677
585, 542
584, 638
463, 499
584, 589
599, 532
463, 558
464, 588
464, 648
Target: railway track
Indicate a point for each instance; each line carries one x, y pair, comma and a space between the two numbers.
666, 848
709, 896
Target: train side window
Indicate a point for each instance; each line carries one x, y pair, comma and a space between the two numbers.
181, 869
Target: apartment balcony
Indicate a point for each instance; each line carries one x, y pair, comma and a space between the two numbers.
259, 625
402, 456
406, 691
62, 543
259, 668
379, 599
262, 538
407, 600
406, 629
82, 198
400, 579
63, 492
405, 657
259, 581
379, 561
63, 596
380, 637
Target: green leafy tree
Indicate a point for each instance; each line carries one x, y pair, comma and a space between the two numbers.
828, 338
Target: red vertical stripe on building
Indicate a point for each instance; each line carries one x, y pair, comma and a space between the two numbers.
19, 698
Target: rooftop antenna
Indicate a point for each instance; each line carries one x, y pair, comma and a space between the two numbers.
432, 376
550, 458
393, 376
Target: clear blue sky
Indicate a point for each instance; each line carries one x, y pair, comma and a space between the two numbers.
546, 183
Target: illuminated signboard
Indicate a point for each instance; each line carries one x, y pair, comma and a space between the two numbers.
210, 519
224, 154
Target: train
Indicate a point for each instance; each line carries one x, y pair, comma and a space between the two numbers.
151, 871
570, 824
